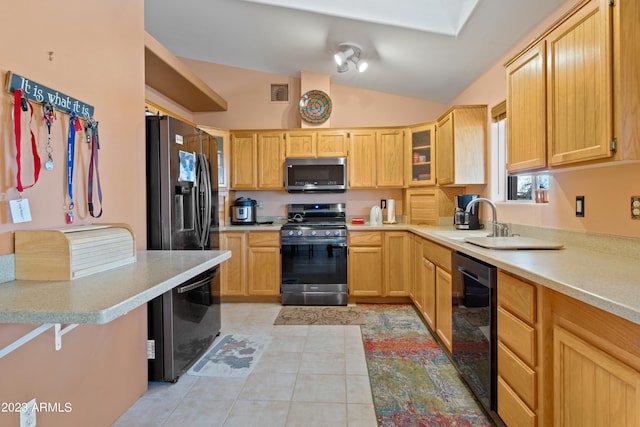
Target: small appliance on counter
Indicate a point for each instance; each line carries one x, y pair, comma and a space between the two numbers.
466, 220
375, 215
243, 211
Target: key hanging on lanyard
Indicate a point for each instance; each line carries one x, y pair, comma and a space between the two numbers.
92, 138
49, 117
74, 125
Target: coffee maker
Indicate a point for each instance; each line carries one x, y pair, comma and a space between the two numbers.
466, 220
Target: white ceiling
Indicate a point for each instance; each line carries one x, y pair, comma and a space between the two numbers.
426, 49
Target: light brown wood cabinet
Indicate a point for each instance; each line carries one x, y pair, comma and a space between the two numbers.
390, 158
365, 263
379, 263
233, 272
326, 143
257, 160
517, 351
578, 82
397, 263
376, 158
461, 136
427, 206
254, 268
433, 293
244, 155
562, 362
596, 365
420, 157
362, 159
263, 262
527, 111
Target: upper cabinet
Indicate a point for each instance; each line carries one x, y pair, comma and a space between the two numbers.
526, 111
420, 155
461, 145
215, 146
327, 143
572, 95
376, 158
390, 162
362, 159
257, 160
172, 78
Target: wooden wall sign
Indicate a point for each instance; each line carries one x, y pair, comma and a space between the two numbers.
42, 94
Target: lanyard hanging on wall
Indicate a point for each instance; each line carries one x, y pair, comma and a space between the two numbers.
49, 116
74, 125
92, 138
20, 105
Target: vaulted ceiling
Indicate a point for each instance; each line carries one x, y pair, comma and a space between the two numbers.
425, 49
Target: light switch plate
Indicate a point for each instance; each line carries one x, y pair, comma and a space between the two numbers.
580, 206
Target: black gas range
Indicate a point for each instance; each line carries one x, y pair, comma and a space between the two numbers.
314, 255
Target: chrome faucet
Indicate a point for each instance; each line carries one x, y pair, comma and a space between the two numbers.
498, 229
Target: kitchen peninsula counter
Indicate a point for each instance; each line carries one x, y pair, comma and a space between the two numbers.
105, 296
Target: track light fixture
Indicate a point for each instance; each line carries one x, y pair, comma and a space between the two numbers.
349, 52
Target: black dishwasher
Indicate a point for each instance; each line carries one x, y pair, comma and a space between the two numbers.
474, 340
183, 323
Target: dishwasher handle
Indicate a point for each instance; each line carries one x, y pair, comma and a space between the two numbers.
198, 283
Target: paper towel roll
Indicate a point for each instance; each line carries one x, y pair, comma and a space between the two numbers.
391, 210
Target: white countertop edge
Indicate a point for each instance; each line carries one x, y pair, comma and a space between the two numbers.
134, 301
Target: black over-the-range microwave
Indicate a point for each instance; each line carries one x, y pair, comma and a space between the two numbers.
316, 175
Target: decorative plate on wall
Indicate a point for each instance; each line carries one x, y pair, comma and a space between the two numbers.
315, 106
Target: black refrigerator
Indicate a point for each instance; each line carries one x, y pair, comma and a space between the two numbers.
182, 214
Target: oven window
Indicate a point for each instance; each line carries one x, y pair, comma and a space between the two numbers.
314, 264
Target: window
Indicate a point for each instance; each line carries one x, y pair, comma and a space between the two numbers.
504, 187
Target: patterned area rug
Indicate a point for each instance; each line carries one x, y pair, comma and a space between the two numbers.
319, 315
412, 380
232, 356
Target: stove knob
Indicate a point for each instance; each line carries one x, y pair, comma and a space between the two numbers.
314, 232
336, 233
327, 233
290, 233
299, 233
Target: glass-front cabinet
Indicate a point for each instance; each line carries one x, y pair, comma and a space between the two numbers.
421, 150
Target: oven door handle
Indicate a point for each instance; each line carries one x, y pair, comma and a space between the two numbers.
314, 242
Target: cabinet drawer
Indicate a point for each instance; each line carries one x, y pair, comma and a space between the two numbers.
264, 238
511, 409
517, 336
365, 238
518, 375
437, 254
517, 297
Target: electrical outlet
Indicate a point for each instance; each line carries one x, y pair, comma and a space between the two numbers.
635, 207
28, 414
383, 203
260, 204
580, 206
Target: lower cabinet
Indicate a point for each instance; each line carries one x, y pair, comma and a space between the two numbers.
255, 267
379, 263
562, 362
517, 351
432, 293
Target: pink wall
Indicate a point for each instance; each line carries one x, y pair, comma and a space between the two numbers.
247, 93
97, 58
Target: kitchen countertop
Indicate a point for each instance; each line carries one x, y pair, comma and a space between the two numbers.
601, 271
102, 297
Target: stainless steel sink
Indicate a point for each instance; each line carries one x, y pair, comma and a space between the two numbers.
512, 243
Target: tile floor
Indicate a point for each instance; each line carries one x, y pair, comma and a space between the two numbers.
308, 376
